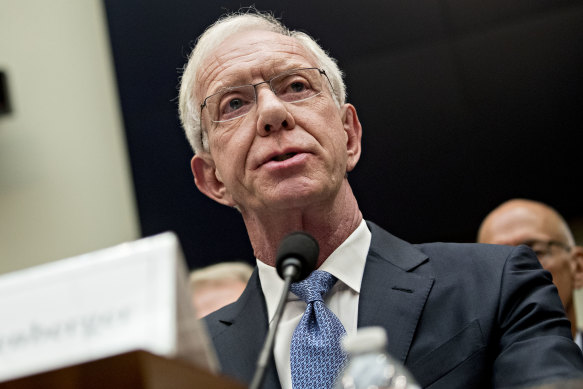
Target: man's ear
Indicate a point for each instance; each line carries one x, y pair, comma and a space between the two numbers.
354, 132
208, 180
578, 265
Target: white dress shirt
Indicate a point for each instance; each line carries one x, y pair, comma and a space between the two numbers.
347, 264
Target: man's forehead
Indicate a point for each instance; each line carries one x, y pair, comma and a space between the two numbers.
249, 54
516, 225
256, 39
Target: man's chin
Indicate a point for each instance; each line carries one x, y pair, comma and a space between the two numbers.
295, 200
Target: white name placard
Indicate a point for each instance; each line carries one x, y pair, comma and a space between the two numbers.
124, 298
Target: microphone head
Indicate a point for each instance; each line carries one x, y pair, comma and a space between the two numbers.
299, 249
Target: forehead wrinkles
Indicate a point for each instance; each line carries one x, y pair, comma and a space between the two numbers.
247, 57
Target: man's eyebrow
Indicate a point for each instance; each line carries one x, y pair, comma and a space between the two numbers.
229, 82
222, 85
238, 80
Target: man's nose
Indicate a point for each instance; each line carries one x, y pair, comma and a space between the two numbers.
272, 112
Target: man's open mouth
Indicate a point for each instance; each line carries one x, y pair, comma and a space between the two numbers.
283, 157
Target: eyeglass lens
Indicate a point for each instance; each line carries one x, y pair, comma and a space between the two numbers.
543, 249
292, 87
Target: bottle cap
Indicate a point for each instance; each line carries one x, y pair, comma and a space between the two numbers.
366, 339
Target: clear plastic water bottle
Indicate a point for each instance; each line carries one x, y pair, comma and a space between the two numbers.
369, 366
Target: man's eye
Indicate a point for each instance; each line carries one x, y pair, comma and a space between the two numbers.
297, 87
233, 105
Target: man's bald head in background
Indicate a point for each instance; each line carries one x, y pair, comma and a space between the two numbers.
521, 221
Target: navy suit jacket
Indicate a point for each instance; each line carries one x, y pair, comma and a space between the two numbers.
456, 315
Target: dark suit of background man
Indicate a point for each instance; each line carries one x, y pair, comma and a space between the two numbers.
457, 316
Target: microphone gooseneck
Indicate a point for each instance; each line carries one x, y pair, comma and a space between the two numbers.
296, 259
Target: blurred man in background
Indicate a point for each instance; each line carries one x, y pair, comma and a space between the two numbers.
534, 224
215, 286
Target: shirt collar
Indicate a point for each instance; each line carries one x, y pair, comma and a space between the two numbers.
346, 263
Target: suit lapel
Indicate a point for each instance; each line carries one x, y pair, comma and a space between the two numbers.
392, 295
240, 335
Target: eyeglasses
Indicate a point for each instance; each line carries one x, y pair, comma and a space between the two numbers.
291, 86
544, 249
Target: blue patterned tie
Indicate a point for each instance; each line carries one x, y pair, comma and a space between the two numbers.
316, 356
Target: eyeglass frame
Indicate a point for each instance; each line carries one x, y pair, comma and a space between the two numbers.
548, 243
290, 71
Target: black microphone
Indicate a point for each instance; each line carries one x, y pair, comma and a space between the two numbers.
297, 256
296, 259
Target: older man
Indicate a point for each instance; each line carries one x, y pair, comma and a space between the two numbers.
532, 223
263, 108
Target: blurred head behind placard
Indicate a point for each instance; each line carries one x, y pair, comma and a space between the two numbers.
215, 286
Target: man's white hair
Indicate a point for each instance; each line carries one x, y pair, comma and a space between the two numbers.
228, 25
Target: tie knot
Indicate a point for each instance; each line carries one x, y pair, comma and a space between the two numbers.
314, 287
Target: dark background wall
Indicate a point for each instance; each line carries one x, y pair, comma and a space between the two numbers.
464, 104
